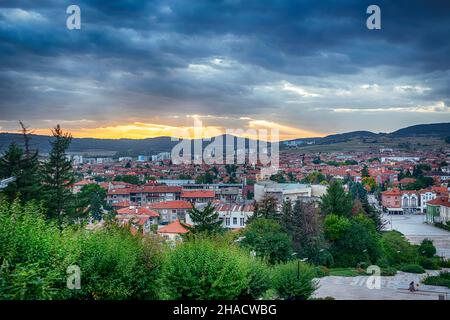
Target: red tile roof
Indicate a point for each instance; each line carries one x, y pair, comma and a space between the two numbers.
176, 204
393, 192
123, 204
198, 194
174, 227
138, 211
441, 201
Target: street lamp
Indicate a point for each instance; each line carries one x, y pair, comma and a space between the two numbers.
298, 266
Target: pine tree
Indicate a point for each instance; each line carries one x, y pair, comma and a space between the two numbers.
205, 220
302, 222
11, 166
25, 168
32, 186
365, 172
266, 208
359, 194
336, 200
58, 177
90, 202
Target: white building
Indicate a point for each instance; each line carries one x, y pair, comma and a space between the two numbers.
233, 216
424, 198
288, 191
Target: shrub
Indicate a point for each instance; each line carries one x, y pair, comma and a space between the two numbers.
117, 265
294, 280
205, 269
34, 257
430, 263
412, 268
352, 240
31, 254
259, 280
268, 239
444, 263
427, 248
397, 250
388, 271
322, 271
443, 279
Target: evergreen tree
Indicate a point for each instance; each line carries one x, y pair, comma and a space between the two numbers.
266, 208
365, 172
336, 200
302, 222
359, 195
10, 166
58, 177
25, 168
205, 220
91, 202
32, 186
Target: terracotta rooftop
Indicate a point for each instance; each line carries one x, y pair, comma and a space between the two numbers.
174, 227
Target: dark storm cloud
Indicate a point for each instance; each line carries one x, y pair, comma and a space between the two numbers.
251, 57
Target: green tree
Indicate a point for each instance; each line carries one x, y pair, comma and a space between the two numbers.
265, 208
91, 201
426, 248
132, 179
365, 172
359, 195
303, 224
203, 268
268, 239
352, 240
25, 168
58, 177
278, 177
336, 200
294, 280
205, 220
205, 178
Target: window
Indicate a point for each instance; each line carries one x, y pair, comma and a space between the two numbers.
405, 202
234, 220
227, 221
242, 222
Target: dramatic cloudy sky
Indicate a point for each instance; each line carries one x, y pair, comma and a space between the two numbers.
144, 68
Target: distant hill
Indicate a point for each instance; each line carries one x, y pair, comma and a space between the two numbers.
341, 137
434, 129
149, 146
119, 147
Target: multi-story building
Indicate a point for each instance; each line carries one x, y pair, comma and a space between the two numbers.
288, 191
169, 211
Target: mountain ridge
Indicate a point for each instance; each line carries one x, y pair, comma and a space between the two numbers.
148, 146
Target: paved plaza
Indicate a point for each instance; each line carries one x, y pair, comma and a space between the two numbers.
414, 228
395, 287
392, 288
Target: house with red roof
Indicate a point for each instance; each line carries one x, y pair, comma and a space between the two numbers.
76, 187
173, 231
137, 217
430, 194
198, 196
170, 211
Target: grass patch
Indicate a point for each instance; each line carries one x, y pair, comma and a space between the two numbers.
346, 272
412, 268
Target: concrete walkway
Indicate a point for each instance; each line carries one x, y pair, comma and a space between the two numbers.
415, 230
392, 288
